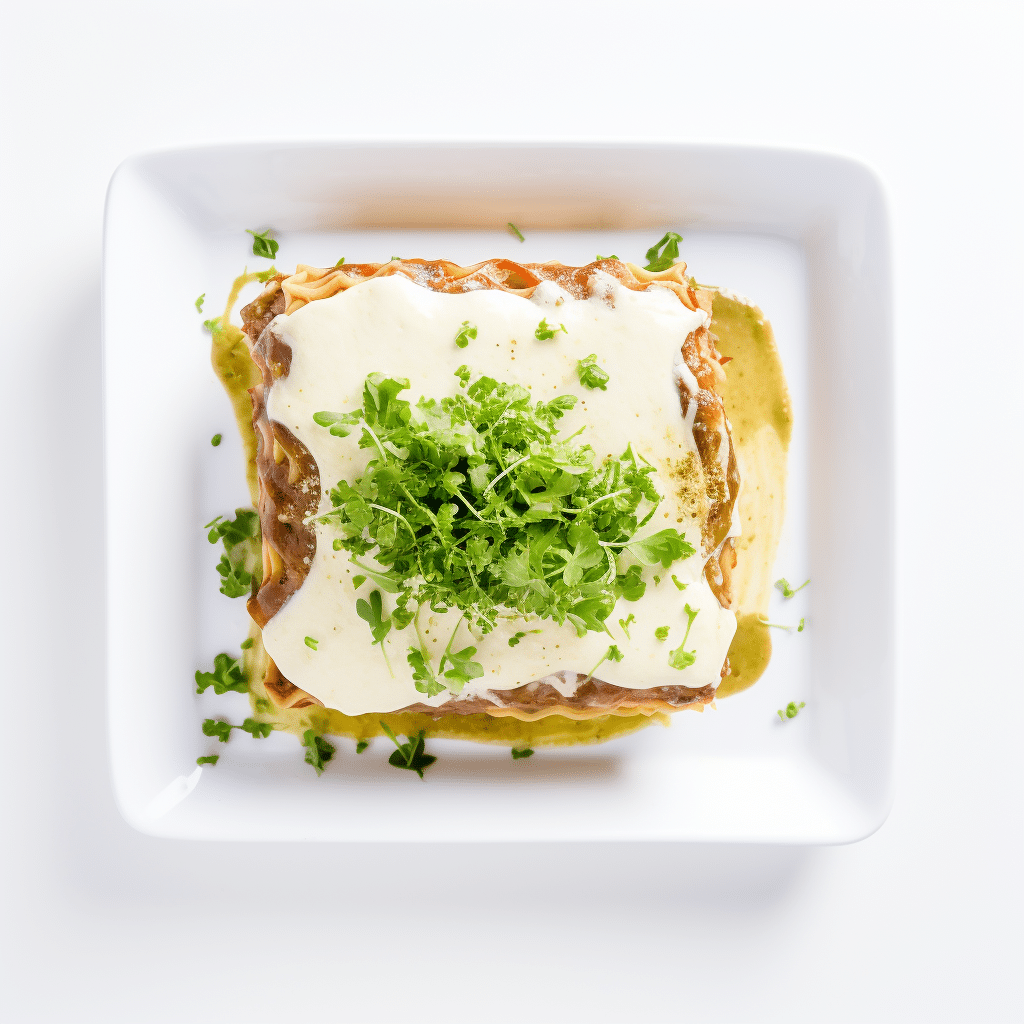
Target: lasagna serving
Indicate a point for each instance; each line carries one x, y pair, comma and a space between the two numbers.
504, 491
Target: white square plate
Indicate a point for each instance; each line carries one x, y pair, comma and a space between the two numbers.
804, 235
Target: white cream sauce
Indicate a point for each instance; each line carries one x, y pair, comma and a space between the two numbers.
404, 330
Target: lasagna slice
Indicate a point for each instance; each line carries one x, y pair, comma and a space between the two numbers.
319, 336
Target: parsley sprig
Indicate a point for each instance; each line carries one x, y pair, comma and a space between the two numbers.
546, 333
475, 503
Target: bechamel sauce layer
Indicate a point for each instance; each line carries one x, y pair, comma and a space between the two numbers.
399, 328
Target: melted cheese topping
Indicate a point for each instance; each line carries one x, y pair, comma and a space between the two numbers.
401, 329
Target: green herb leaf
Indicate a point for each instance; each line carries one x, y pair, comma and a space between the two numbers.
362, 745
590, 374
629, 585
216, 440
311, 643
358, 580
518, 755
463, 669
679, 586
242, 561
213, 325
199, 309
598, 259
209, 759
786, 589
340, 423
612, 654
663, 253
515, 231
318, 750
624, 624
792, 709
340, 262
227, 675
213, 727
679, 658
800, 627
665, 547
423, 675
546, 333
262, 245
409, 755
257, 730
264, 706
265, 275
513, 641
661, 633
466, 333
246, 643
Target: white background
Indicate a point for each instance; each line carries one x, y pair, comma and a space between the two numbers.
919, 922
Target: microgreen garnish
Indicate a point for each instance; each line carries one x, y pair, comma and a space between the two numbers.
590, 374
624, 624
212, 727
546, 333
679, 586
792, 709
661, 633
515, 231
246, 643
423, 675
518, 755
262, 245
612, 654
199, 302
466, 333
340, 262
362, 745
257, 730
475, 503
311, 643
786, 589
663, 253
380, 625
242, 560
264, 706
629, 585
597, 259
409, 755
209, 759
216, 439
679, 658
214, 325
222, 730
799, 627
513, 641
318, 750
265, 275
358, 580
227, 675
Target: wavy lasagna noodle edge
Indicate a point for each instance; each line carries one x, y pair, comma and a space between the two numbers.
289, 483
